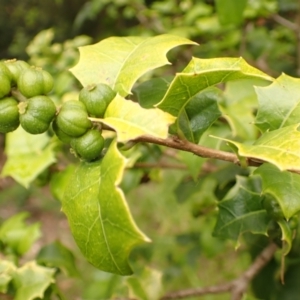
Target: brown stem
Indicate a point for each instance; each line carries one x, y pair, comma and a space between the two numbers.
176, 143
236, 287
284, 22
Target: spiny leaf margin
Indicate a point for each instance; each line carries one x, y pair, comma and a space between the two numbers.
121, 61
99, 216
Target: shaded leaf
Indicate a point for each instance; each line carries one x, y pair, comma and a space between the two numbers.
27, 155
287, 236
98, 214
60, 180
239, 105
240, 211
150, 92
282, 185
198, 115
130, 120
279, 103
193, 162
58, 256
201, 74
31, 281
120, 61
280, 147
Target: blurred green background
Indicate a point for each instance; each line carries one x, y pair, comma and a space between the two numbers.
47, 33
250, 28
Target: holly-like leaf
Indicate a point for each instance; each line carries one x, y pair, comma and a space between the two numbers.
121, 61
7, 268
98, 214
282, 185
58, 256
280, 147
31, 281
18, 236
150, 92
240, 211
238, 107
279, 103
146, 286
203, 73
27, 155
287, 236
198, 115
130, 120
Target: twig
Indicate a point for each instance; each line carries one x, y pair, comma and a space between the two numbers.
285, 22
236, 287
176, 143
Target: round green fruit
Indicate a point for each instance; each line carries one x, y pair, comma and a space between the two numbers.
72, 119
9, 115
96, 98
89, 145
5, 80
272, 207
4, 86
33, 82
36, 114
60, 134
16, 67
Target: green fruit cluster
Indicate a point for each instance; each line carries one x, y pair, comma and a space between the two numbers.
24, 101
23, 97
72, 124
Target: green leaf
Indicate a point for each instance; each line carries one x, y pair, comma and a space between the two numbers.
120, 61
287, 236
198, 115
230, 11
58, 256
193, 162
60, 180
238, 107
146, 286
279, 103
27, 155
7, 268
201, 74
98, 214
280, 147
31, 281
240, 211
17, 235
282, 185
130, 120
152, 91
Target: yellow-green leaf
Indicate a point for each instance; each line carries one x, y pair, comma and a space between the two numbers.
120, 61
98, 214
280, 147
32, 280
130, 120
27, 155
203, 73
